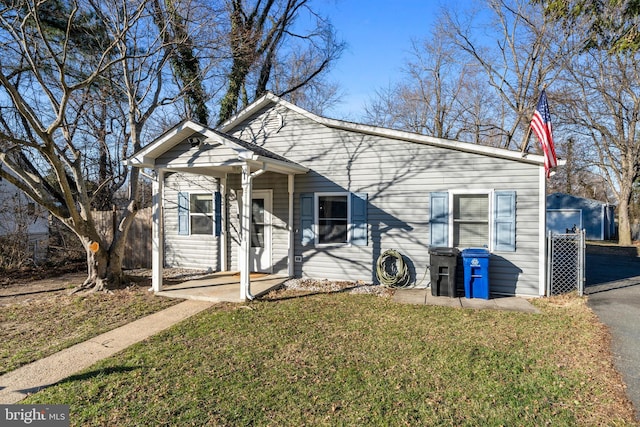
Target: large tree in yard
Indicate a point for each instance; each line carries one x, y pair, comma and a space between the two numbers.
79, 81
261, 35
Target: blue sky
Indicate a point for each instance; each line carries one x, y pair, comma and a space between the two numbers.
378, 34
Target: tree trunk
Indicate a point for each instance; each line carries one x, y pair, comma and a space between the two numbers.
624, 222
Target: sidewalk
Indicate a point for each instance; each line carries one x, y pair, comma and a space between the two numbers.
423, 296
18, 384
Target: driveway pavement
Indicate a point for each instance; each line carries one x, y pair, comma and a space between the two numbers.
613, 287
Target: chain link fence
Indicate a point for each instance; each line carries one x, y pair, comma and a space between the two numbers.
566, 262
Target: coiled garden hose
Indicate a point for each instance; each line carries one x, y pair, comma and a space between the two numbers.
391, 270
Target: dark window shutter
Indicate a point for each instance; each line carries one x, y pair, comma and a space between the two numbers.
439, 219
504, 221
306, 218
218, 212
359, 219
183, 213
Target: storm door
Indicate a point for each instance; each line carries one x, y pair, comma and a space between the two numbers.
261, 205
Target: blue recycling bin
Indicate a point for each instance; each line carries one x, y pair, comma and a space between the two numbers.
475, 262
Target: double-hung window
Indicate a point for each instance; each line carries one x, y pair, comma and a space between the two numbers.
199, 213
333, 219
465, 219
470, 220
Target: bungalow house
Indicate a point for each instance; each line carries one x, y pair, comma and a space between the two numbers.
281, 190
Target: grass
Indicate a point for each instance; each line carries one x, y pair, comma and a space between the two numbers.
33, 330
344, 359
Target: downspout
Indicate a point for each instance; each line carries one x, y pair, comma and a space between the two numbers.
247, 187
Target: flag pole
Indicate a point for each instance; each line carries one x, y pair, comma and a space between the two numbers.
527, 137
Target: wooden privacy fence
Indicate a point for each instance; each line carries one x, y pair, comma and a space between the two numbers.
137, 252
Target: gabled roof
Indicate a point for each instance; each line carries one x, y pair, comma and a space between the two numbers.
245, 151
271, 99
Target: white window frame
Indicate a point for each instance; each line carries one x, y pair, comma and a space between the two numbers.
490, 197
316, 218
212, 214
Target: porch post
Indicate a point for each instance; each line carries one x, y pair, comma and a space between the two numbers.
157, 233
245, 231
224, 264
291, 257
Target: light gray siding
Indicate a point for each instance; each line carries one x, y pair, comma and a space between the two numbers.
187, 251
398, 177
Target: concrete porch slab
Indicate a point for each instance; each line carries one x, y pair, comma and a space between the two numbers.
222, 287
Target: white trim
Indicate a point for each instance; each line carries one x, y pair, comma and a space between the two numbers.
542, 232
157, 232
291, 240
211, 215
270, 98
490, 197
316, 218
267, 195
223, 250
147, 156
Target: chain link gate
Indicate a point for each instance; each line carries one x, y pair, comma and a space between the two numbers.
565, 263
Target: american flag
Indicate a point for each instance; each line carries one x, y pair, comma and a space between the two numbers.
541, 126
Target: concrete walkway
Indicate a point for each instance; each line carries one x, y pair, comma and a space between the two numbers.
423, 296
18, 384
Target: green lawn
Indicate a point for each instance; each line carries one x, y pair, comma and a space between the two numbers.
342, 359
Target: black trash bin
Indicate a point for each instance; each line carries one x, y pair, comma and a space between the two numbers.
444, 262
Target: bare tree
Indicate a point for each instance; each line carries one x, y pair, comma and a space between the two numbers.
519, 56
605, 112
257, 33
54, 137
438, 95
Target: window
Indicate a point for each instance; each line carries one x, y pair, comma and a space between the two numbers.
198, 213
480, 219
470, 220
332, 219
201, 213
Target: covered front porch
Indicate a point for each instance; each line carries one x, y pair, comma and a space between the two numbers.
221, 287
234, 165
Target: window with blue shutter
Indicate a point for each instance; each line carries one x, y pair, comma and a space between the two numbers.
195, 214
504, 221
332, 217
359, 219
439, 219
306, 218
183, 213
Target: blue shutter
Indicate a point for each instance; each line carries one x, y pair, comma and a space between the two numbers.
183, 213
359, 219
504, 221
306, 218
439, 219
217, 213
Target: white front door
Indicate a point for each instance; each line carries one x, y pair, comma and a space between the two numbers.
261, 205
